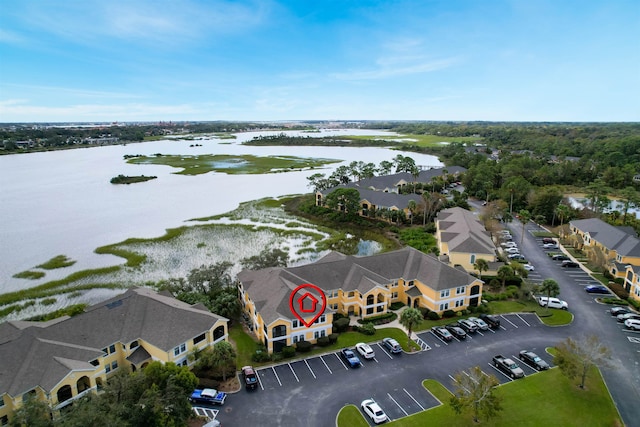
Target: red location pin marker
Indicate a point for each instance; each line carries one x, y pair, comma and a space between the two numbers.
307, 300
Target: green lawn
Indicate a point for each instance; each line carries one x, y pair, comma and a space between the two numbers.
350, 416
245, 345
544, 399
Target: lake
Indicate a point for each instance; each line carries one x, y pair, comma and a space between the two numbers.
61, 202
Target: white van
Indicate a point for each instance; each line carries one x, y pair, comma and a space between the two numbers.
553, 303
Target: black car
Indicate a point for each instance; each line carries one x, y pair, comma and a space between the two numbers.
492, 321
569, 264
559, 257
619, 310
456, 331
533, 360
442, 333
250, 378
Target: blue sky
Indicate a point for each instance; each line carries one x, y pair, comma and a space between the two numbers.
130, 60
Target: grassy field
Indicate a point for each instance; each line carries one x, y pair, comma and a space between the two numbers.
349, 416
417, 140
241, 164
60, 261
544, 399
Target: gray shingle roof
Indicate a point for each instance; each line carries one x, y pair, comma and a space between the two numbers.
620, 239
463, 232
43, 353
271, 288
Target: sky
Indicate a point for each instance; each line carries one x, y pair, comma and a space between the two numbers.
285, 60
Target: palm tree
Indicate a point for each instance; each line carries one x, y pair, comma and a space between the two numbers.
412, 208
504, 273
525, 216
562, 212
550, 287
410, 318
481, 265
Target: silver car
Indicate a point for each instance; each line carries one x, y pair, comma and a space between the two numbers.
482, 325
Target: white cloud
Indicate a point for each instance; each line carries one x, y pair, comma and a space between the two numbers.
390, 68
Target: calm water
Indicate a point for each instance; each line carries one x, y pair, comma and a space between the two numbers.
62, 202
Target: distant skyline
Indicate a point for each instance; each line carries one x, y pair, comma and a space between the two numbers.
264, 60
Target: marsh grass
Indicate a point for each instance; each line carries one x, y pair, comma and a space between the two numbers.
30, 274
59, 261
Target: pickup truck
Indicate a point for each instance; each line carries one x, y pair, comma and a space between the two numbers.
508, 366
208, 396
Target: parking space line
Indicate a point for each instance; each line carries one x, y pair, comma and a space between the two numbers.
394, 401
441, 340
412, 398
478, 332
293, 372
277, 377
326, 366
384, 351
456, 382
512, 324
307, 363
472, 379
525, 322
340, 360
259, 382
376, 360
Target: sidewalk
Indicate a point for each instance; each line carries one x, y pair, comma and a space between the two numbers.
393, 324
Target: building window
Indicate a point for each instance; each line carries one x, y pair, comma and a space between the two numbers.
94, 362
444, 306
444, 294
322, 333
199, 338
411, 283
295, 323
114, 365
107, 369
460, 290
179, 349
459, 303
473, 258
295, 339
394, 295
316, 335
334, 306
351, 294
395, 284
133, 345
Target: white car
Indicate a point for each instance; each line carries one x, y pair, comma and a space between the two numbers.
509, 244
373, 411
365, 350
553, 303
633, 324
529, 267
512, 250
482, 325
550, 246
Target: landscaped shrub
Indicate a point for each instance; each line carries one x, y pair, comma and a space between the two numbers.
619, 290
449, 313
341, 325
288, 351
323, 341
337, 316
425, 312
396, 305
432, 315
367, 329
634, 303
333, 338
303, 346
260, 356
380, 319
616, 301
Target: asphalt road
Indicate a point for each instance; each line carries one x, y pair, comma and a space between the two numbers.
311, 392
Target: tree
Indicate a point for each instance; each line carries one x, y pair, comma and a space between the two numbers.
385, 167
475, 392
316, 182
576, 357
481, 265
226, 303
630, 199
525, 216
33, 413
223, 356
412, 205
504, 273
208, 279
267, 258
410, 318
549, 287
562, 212
597, 194
345, 199
518, 269
404, 163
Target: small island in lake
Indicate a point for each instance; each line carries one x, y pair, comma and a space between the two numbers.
122, 179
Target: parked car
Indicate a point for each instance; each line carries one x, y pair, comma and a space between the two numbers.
559, 257
553, 303
633, 324
533, 360
546, 240
569, 264
508, 244
619, 310
596, 289
550, 246
442, 333
512, 250
250, 378
456, 331
623, 317
208, 396
517, 257
468, 326
351, 357
392, 345
508, 366
482, 325
365, 350
492, 321
373, 411
529, 267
